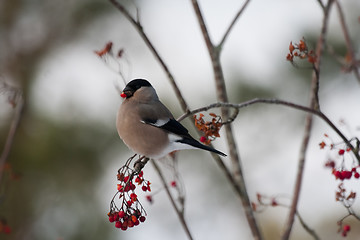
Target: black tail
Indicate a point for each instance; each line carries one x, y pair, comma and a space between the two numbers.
194, 143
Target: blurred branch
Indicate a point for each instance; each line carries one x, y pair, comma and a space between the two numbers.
179, 212
221, 92
306, 227
233, 23
321, 5
136, 23
350, 49
314, 104
19, 104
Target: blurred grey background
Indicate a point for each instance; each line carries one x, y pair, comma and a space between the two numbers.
67, 152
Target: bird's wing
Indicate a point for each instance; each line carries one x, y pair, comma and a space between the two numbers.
159, 116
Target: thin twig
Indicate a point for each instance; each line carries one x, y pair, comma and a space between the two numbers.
136, 23
350, 49
180, 97
233, 23
318, 113
179, 212
10, 138
306, 227
314, 104
221, 93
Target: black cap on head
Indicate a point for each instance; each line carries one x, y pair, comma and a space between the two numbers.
134, 85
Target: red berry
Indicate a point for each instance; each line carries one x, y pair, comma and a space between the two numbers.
130, 224
121, 214
346, 174
123, 95
149, 198
356, 175
136, 222
144, 188
338, 175
341, 152
123, 227
346, 228
173, 183
202, 139
133, 197
111, 218
142, 219
118, 224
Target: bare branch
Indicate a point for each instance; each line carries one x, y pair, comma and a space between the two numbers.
179, 212
314, 104
350, 49
10, 138
136, 23
233, 23
321, 5
221, 92
276, 102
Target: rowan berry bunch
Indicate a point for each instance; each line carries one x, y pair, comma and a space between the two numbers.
129, 212
344, 166
347, 166
209, 128
300, 50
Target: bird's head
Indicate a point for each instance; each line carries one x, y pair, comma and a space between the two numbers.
133, 86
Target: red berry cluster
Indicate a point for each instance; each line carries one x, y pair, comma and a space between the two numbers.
125, 220
345, 229
342, 173
130, 213
209, 128
345, 174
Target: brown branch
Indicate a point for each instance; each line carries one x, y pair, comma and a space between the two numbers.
314, 104
233, 23
183, 104
179, 212
214, 52
318, 113
10, 138
350, 49
321, 5
136, 23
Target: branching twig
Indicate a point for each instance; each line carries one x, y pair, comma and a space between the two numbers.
233, 23
221, 92
136, 23
350, 49
179, 212
314, 104
277, 102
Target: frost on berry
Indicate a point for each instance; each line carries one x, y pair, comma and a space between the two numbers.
125, 209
